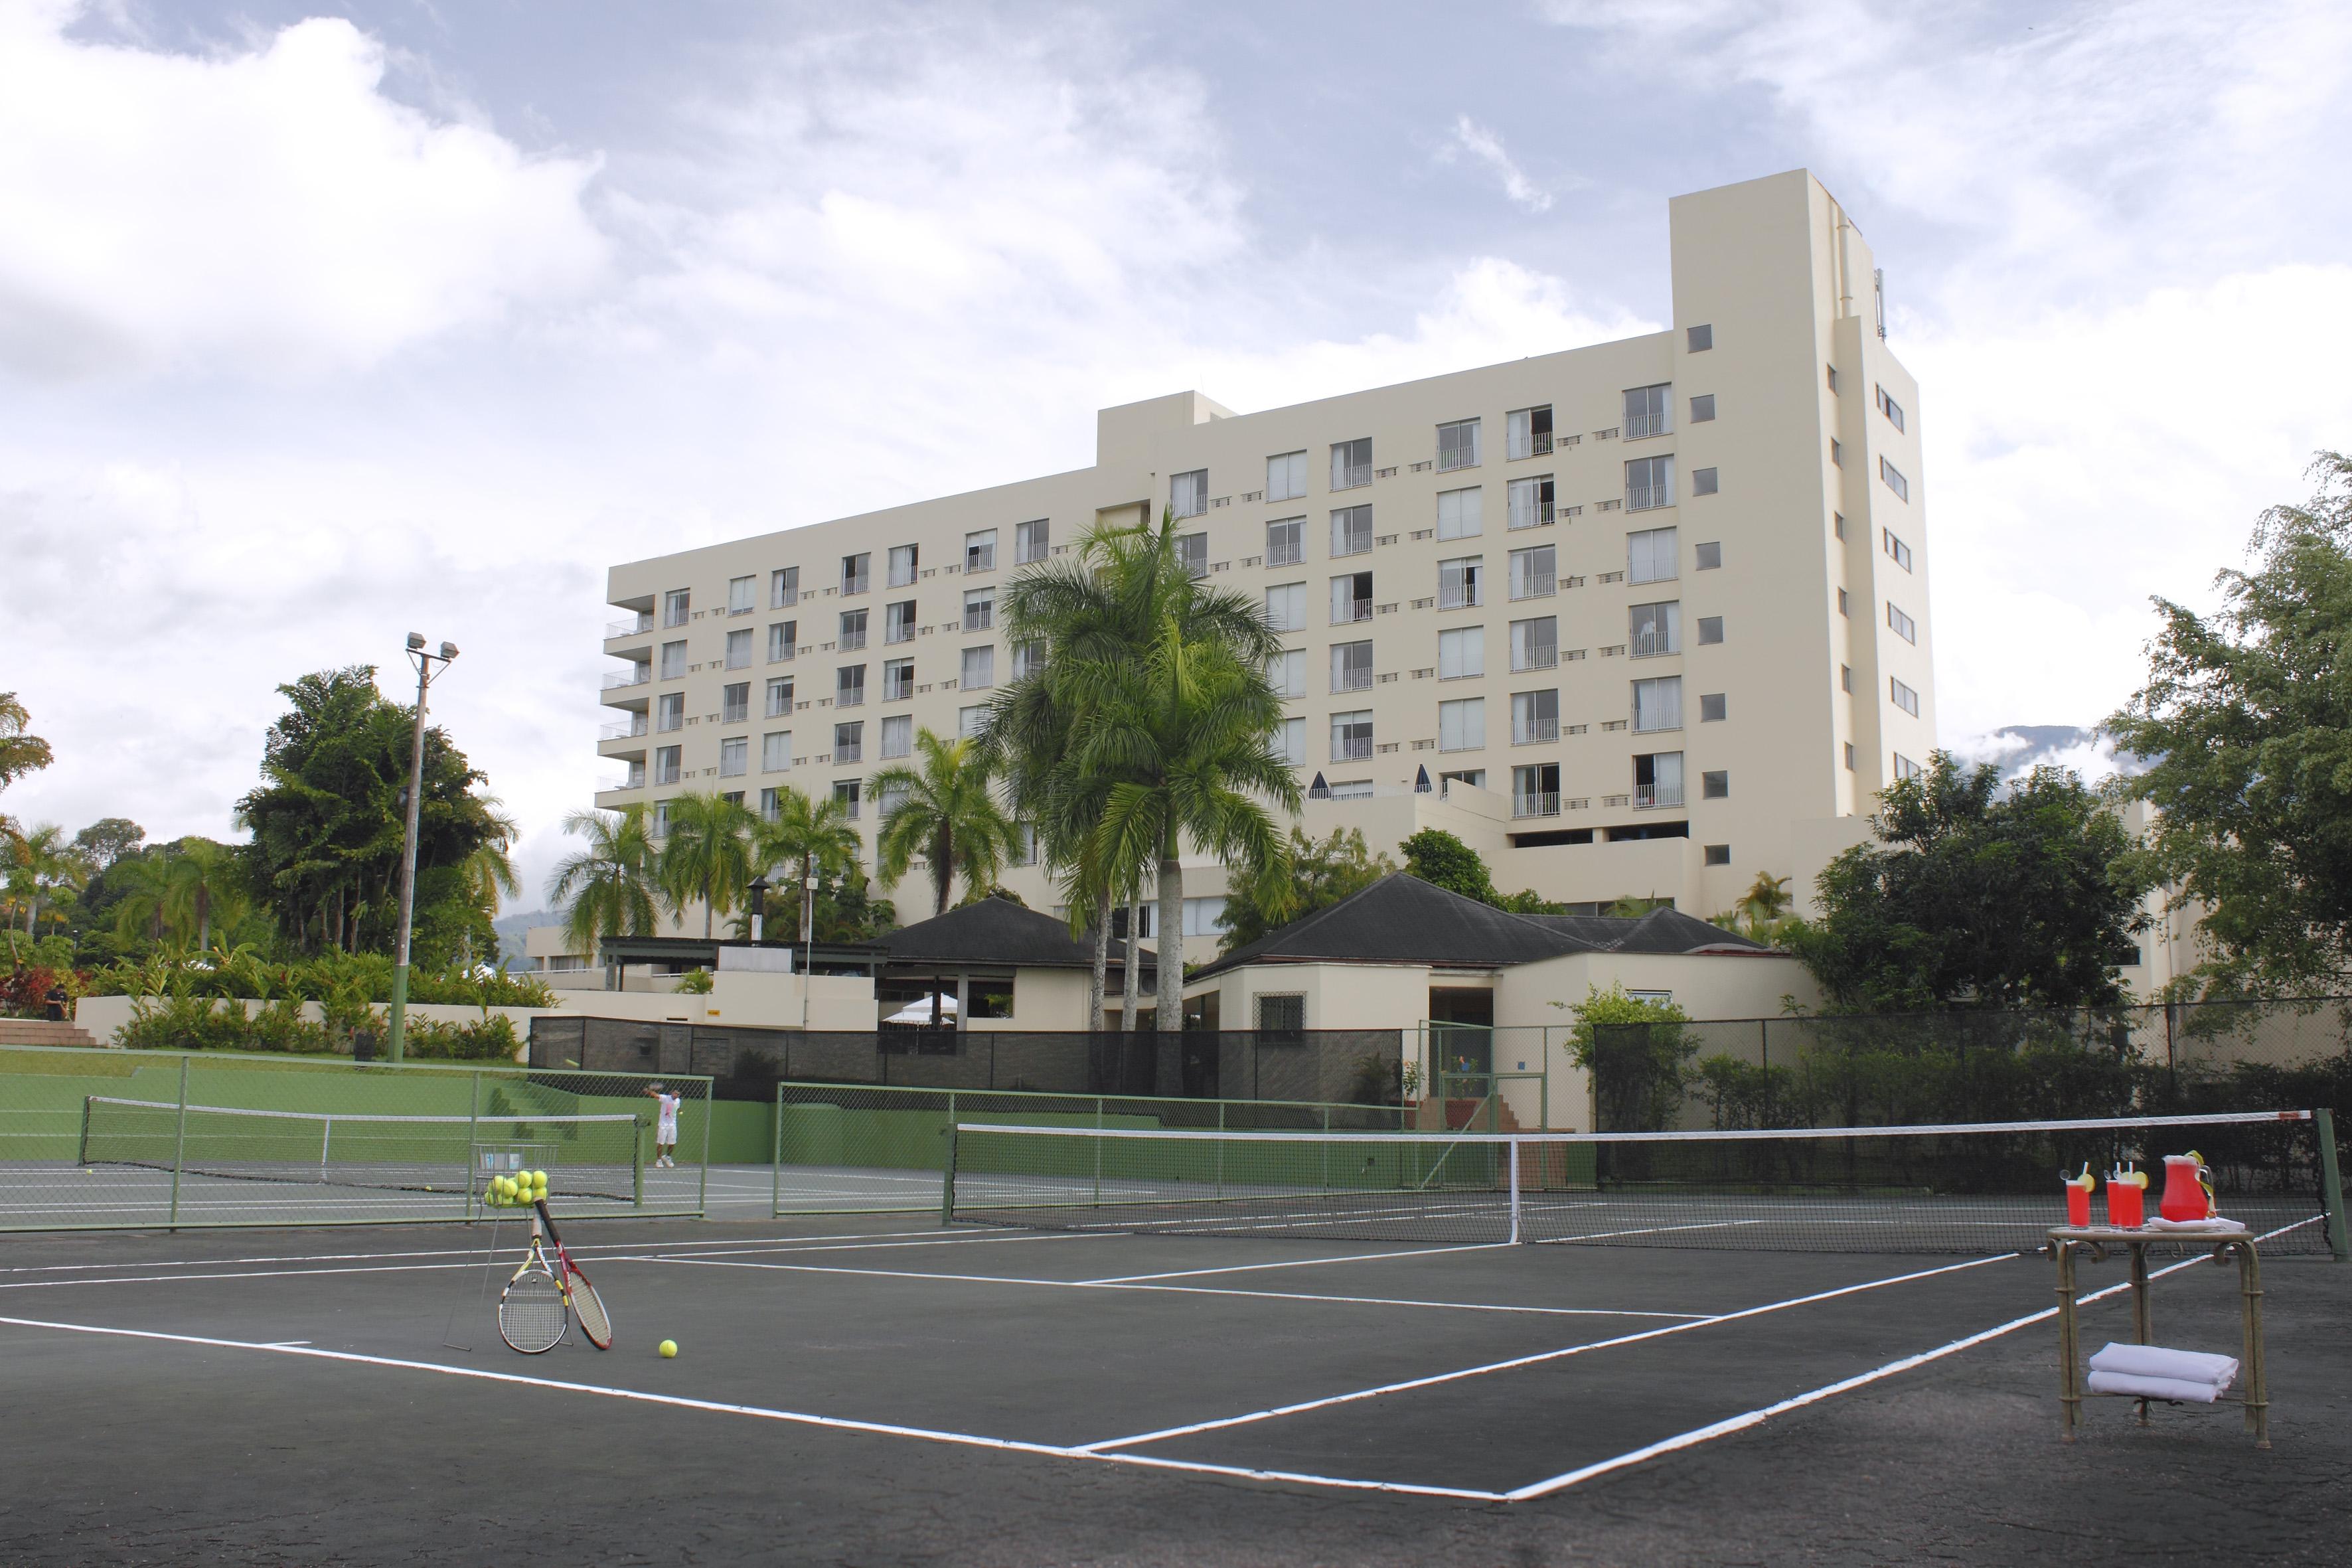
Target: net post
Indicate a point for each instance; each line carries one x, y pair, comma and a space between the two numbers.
180, 1142
1515, 1191
2331, 1184
702, 1185
776, 1155
473, 1138
636, 1165
1098, 1143
947, 1178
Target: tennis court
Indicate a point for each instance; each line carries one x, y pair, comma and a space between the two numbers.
868, 1388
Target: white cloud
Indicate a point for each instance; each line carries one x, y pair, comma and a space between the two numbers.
267, 209
1483, 144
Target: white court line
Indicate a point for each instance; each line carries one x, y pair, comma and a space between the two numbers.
1536, 1359
1715, 1429
795, 1417
1293, 1263
706, 1261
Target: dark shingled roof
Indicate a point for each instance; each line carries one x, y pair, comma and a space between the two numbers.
996, 933
1402, 920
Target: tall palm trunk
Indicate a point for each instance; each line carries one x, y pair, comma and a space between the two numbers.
1170, 945
1099, 981
1132, 981
942, 869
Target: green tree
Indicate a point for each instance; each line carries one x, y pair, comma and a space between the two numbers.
204, 881
1313, 875
707, 857
1440, 860
814, 837
606, 889
942, 811
1637, 1052
20, 752
106, 840
1975, 896
2247, 720
42, 863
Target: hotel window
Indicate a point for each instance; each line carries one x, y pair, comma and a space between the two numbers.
1352, 463
1649, 483
1351, 599
1459, 585
899, 622
780, 698
1657, 779
1716, 785
1028, 658
1533, 573
1904, 768
1351, 531
1702, 408
1461, 514
849, 792
849, 742
1535, 643
1651, 556
1286, 475
1708, 557
1286, 606
1895, 479
784, 587
1474, 777
776, 751
1897, 549
853, 630
856, 573
1188, 493
735, 702
665, 764
1457, 446
1461, 724
734, 756
1293, 741
971, 720
887, 799
1648, 410
738, 650
849, 686
1287, 671
1352, 666
669, 712
1718, 854
1710, 630
1711, 708
1192, 554
1285, 541
1352, 736
659, 828
1702, 481
980, 551
1462, 653
1205, 915
742, 596
904, 560
898, 735
1888, 406
1902, 625
898, 680
1658, 703
772, 804
1535, 790
1032, 541
1284, 1017
673, 663
1527, 432
1905, 698
978, 668
1531, 501
1701, 339
979, 609
674, 605
783, 640
1656, 629
1535, 718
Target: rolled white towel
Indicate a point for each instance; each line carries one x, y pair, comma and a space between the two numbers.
2214, 1227
2155, 1361
2171, 1388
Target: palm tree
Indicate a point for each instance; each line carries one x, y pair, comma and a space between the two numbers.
943, 812
1766, 898
814, 836
708, 854
202, 880
608, 889
146, 882
44, 861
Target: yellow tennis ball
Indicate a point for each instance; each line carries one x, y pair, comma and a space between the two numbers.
539, 1180
668, 1349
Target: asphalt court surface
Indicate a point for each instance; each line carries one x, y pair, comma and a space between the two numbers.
1170, 1382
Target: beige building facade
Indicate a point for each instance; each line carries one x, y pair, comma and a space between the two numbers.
1639, 612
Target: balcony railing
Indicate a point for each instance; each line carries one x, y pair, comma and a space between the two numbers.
635, 675
1639, 426
1535, 444
1361, 610
1352, 680
1351, 477
1538, 658
1529, 587
1646, 796
1651, 644
1351, 748
1648, 498
1547, 805
623, 729
857, 585
643, 621
1533, 731
1531, 514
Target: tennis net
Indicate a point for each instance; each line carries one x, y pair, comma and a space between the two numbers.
591, 1156
1985, 1187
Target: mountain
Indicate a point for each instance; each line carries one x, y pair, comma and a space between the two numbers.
510, 929
2018, 749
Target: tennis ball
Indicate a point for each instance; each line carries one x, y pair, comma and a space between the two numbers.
539, 1180
668, 1349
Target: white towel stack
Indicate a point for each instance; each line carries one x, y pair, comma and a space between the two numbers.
2214, 1227
2151, 1371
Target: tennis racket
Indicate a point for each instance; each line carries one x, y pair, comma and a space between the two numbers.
588, 1306
532, 1312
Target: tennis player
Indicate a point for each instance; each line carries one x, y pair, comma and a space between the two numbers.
665, 1124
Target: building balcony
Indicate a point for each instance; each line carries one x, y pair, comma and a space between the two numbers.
1535, 731
634, 724
634, 625
1547, 805
1534, 444
615, 798
1649, 797
1651, 645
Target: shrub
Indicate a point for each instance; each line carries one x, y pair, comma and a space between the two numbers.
491, 1039
695, 983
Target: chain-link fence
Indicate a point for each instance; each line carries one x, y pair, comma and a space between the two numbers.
92, 1138
870, 1149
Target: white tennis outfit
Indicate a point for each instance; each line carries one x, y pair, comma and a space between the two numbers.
665, 1122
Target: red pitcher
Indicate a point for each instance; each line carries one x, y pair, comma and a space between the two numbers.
2185, 1176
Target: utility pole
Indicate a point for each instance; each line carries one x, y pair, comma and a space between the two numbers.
394, 1034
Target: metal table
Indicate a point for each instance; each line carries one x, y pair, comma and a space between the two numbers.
2067, 1241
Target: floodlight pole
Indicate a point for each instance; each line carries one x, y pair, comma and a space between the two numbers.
395, 1031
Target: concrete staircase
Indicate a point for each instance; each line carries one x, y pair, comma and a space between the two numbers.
42, 1032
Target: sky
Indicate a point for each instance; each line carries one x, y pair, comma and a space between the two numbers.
321, 323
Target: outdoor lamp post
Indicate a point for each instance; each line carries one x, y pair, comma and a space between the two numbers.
394, 1034
759, 893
